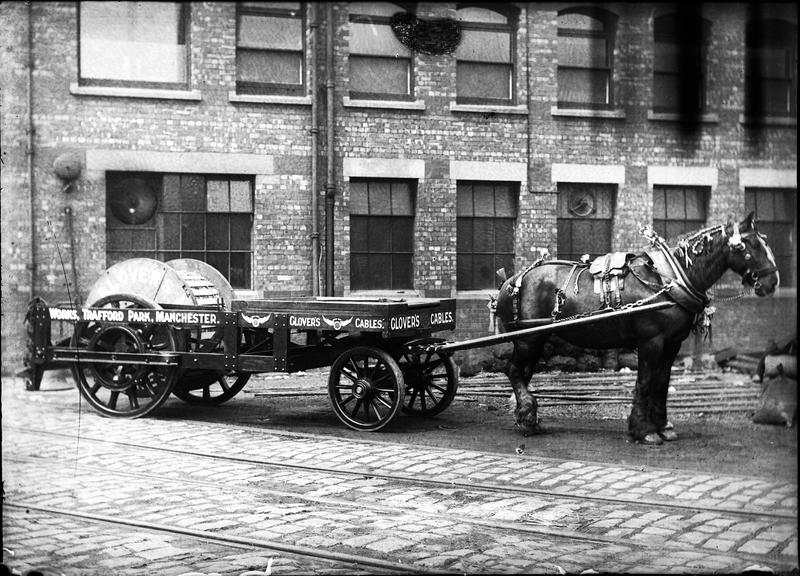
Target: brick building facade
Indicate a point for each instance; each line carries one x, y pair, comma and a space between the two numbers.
539, 104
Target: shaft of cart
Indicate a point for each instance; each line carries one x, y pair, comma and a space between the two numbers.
547, 327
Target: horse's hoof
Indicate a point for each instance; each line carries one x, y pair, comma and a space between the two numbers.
652, 439
668, 435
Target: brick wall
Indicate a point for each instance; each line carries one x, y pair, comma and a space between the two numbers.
280, 133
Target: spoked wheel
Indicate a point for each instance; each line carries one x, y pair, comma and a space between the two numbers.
431, 381
209, 387
117, 389
365, 387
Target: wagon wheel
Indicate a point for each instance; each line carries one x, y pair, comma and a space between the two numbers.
117, 389
365, 388
431, 380
210, 387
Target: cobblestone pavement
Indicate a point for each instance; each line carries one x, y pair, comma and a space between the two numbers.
180, 497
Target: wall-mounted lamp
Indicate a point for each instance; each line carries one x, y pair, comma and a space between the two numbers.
68, 166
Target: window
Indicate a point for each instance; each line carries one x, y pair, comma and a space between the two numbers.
169, 216
585, 58
585, 218
133, 44
679, 64
771, 68
380, 66
269, 48
678, 210
776, 216
485, 215
381, 234
485, 56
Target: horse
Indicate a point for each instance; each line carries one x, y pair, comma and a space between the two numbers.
682, 275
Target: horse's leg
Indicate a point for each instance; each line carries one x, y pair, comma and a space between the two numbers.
645, 419
519, 370
663, 425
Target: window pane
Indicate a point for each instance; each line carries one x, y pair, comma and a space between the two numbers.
359, 271
582, 52
240, 269
192, 232
579, 22
358, 233
504, 201
483, 271
464, 234
402, 204
775, 96
785, 208
380, 202
169, 230
659, 204
482, 15
750, 202
375, 40
676, 205
666, 57
137, 41
695, 208
402, 231
464, 200
217, 234
171, 197
272, 32
401, 271
217, 196
484, 46
379, 235
359, 199
119, 239
769, 63
666, 92
384, 9
484, 200
220, 261
379, 75
583, 86
241, 227
464, 272
241, 196
193, 192
504, 235
483, 81
269, 67
483, 235
380, 273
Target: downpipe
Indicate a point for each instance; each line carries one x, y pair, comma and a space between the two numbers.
330, 187
315, 259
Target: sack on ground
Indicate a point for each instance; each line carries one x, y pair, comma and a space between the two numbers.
778, 402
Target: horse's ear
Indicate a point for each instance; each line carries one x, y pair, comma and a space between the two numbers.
750, 221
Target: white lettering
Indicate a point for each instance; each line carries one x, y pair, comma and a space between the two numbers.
441, 318
369, 323
304, 321
404, 322
62, 314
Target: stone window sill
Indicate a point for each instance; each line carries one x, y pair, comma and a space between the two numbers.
767, 121
488, 108
674, 117
475, 294
118, 92
587, 113
269, 99
384, 104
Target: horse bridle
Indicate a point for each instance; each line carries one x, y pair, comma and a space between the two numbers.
736, 242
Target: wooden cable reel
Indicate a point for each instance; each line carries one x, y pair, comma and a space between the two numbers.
181, 282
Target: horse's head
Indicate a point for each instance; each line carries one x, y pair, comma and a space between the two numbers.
751, 258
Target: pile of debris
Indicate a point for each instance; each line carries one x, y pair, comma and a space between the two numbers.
777, 372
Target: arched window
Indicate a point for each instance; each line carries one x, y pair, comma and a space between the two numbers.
485, 55
585, 58
381, 68
771, 68
269, 48
679, 63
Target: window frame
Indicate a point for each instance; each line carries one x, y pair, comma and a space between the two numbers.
249, 88
609, 33
689, 224
184, 19
564, 216
389, 219
498, 256
699, 61
752, 195
758, 30
355, 17
511, 27
155, 227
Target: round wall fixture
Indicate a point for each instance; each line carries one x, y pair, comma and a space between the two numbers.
582, 204
133, 201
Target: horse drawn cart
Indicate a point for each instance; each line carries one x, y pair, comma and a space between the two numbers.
151, 329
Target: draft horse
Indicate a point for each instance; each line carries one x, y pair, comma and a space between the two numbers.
559, 289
